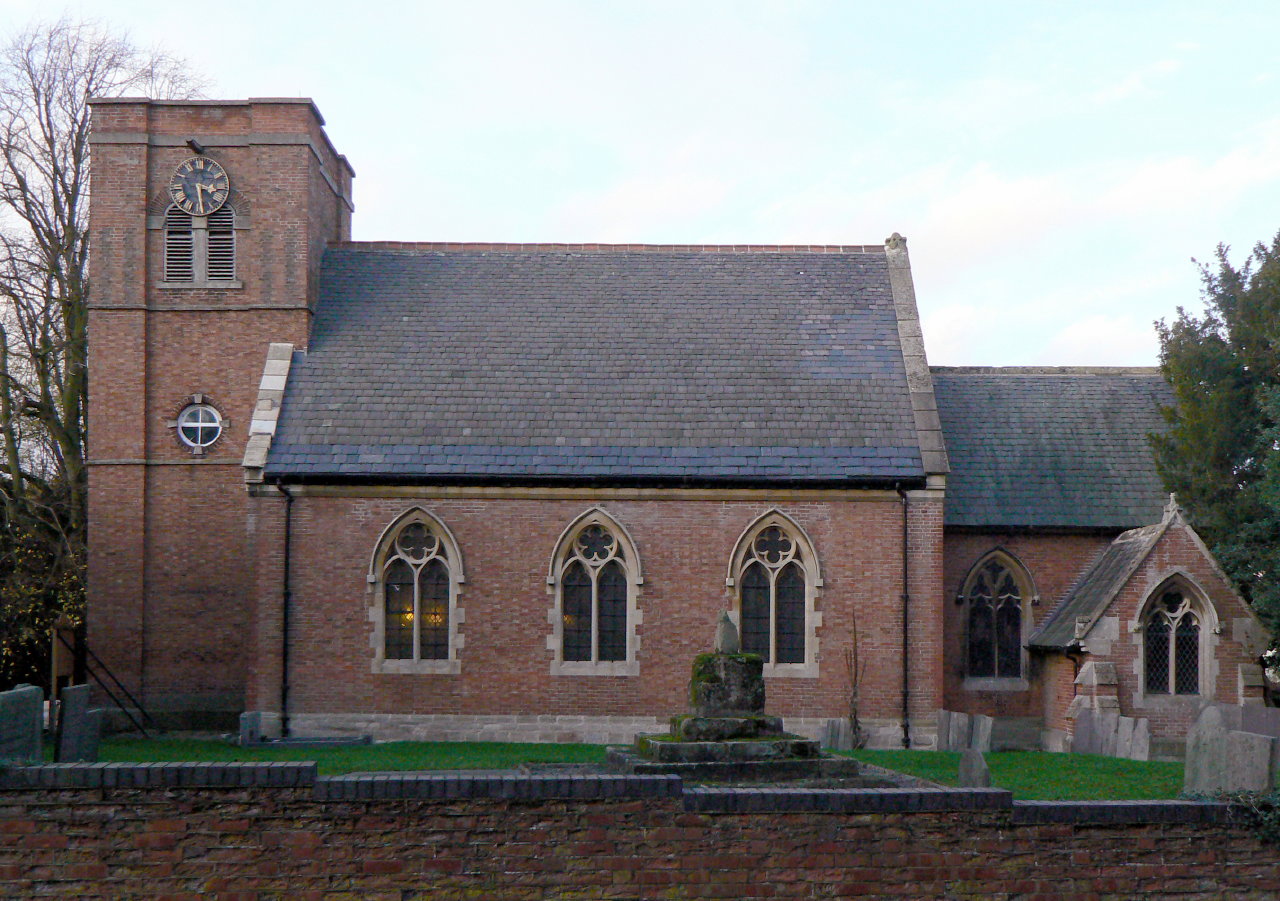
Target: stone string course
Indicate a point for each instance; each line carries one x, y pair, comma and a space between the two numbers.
276, 830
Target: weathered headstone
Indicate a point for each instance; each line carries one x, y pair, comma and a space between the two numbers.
1124, 737
959, 738
1222, 760
79, 728
944, 730
727, 640
973, 769
21, 724
1084, 740
837, 735
1108, 725
250, 728
1141, 747
980, 732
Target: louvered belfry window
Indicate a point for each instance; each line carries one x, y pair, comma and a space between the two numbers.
179, 246
199, 255
221, 233
593, 598
772, 598
994, 626
1171, 646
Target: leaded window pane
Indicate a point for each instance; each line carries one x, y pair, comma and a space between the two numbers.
789, 610
981, 638
576, 612
398, 611
612, 602
433, 611
1186, 665
1009, 638
755, 611
1157, 656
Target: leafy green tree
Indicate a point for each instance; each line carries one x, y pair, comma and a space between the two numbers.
48, 74
1221, 453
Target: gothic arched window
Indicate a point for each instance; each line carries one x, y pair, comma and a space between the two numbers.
993, 596
417, 574
1171, 645
775, 573
594, 575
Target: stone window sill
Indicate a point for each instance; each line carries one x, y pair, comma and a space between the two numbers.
994, 683
417, 667
590, 668
204, 284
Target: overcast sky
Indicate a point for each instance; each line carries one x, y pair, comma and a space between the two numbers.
1054, 166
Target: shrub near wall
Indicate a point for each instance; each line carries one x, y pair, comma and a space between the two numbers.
275, 830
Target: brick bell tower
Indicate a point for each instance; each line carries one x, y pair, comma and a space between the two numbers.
208, 222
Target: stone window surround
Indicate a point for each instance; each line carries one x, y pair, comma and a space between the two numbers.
630, 666
200, 250
1210, 634
808, 559
1030, 598
377, 563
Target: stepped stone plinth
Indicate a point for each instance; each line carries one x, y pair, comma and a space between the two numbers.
728, 736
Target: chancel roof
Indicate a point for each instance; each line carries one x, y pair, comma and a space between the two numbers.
1051, 447
725, 365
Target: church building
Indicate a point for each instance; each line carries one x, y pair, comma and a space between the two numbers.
447, 491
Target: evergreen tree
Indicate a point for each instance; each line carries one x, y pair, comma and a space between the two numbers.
1221, 453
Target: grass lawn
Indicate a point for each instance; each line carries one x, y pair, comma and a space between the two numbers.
394, 755
1040, 776
1030, 775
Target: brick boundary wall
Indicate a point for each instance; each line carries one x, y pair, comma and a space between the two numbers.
240, 831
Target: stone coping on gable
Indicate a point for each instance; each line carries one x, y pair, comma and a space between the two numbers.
510, 785
512, 247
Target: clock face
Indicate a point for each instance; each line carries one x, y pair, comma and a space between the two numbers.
199, 186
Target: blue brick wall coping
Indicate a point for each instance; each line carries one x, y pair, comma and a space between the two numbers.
454, 786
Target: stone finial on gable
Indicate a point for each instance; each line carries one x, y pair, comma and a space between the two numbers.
895, 242
1171, 509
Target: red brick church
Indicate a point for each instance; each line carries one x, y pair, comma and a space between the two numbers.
505, 491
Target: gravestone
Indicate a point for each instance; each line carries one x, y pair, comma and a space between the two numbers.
1224, 760
79, 728
1084, 740
21, 724
1108, 726
973, 769
958, 739
837, 735
1124, 737
1141, 747
944, 730
251, 728
980, 732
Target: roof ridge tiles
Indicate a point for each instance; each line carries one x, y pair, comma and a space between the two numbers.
515, 247
1046, 370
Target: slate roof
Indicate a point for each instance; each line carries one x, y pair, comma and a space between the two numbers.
1089, 598
1051, 447
671, 364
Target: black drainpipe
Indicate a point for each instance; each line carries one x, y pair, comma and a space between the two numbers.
286, 597
906, 624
